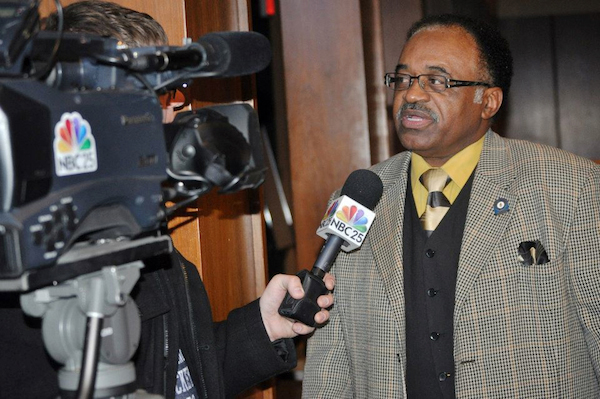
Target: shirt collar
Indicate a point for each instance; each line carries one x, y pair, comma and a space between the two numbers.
459, 167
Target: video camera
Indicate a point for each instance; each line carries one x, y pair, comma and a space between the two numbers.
87, 168
84, 155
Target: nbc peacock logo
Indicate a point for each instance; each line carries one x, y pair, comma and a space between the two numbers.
74, 146
331, 210
354, 217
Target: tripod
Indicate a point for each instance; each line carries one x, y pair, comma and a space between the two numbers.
92, 327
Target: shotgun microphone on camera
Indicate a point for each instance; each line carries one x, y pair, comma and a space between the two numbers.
218, 54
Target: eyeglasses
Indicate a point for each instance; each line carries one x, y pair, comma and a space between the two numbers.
435, 83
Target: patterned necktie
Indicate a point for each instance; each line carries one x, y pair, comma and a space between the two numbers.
434, 181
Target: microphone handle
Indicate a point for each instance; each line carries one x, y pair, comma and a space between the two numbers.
327, 255
306, 308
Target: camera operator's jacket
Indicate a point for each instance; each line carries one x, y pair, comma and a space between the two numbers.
224, 358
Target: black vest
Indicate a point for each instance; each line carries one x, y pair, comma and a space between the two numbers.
430, 269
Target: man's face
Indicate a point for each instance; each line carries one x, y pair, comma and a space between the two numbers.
438, 125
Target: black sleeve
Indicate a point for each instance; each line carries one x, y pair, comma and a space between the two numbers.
244, 352
248, 355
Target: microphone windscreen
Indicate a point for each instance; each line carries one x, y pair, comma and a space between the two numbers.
363, 186
250, 52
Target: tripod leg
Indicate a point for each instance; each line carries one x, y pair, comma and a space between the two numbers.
89, 362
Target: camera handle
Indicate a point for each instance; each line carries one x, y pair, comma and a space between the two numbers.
96, 306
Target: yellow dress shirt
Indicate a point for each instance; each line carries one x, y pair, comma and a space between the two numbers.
459, 168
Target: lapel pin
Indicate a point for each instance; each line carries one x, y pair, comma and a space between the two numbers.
500, 206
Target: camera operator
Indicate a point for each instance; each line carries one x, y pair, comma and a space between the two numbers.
182, 353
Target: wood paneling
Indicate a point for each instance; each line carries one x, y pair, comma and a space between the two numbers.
555, 97
529, 111
578, 57
231, 237
211, 16
474, 8
396, 18
533, 8
170, 14
379, 131
326, 104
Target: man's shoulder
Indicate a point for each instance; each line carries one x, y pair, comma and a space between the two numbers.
393, 166
535, 155
540, 162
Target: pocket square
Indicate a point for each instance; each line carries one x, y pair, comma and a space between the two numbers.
532, 253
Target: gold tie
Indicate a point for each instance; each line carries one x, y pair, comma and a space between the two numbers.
434, 181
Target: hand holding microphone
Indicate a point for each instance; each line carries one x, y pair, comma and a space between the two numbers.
344, 227
283, 327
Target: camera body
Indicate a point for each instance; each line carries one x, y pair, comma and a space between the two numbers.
84, 154
86, 164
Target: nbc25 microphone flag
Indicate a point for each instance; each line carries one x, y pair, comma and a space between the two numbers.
348, 220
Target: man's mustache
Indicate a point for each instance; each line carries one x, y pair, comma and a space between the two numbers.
417, 107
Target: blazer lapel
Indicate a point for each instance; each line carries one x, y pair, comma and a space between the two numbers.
388, 227
483, 226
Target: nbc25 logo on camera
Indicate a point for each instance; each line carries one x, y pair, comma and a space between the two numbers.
74, 146
347, 219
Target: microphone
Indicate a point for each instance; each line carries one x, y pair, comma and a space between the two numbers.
216, 54
344, 226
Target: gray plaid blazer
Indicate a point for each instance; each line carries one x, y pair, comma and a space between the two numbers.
519, 331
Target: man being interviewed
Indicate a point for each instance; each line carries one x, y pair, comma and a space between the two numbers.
479, 276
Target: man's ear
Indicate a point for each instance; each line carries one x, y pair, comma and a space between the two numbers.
492, 100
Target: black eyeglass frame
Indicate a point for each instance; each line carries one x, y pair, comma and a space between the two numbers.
450, 83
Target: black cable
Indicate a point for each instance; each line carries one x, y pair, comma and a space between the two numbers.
60, 29
108, 60
183, 77
171, 210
